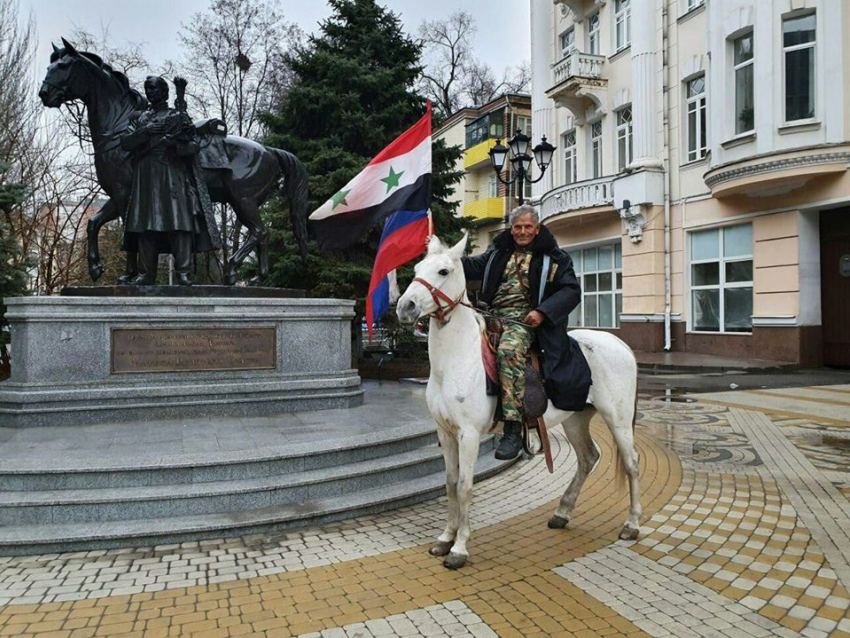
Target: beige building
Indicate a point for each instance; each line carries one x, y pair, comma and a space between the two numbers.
480, 194
701, 179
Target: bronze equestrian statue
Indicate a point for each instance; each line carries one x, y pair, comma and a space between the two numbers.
232, 170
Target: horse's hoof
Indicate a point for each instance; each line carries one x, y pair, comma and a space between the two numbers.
629, 533
454, 561
557, 522
95, 271
441, 548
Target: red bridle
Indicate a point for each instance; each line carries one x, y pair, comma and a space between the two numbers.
439, 298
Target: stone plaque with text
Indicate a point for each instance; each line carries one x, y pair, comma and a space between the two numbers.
192, 349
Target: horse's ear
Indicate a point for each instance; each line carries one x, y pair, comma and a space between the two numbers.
55, 48
457, 251
69, 47
435, 245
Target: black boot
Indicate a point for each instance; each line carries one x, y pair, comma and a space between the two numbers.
511, 443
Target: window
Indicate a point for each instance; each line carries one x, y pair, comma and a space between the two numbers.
624, 138
693, 4
523, 123
593, 28
570, 164
623, 23
696, 127
493, 186
600, 272
486, 127
744, 105
722, 279
798, 41
568, 42
596, 149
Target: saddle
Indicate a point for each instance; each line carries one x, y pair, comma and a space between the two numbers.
211, 133
535, 400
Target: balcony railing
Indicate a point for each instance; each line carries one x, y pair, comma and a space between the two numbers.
486, 209
577, 64
587, 194
478, 154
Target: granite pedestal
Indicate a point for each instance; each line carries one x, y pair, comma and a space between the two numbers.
67, 368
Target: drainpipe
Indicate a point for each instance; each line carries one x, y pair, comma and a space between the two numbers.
668, 292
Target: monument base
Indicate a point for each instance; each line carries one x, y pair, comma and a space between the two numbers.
85, 360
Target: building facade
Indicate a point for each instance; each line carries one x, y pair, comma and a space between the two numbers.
480, 194
701, 180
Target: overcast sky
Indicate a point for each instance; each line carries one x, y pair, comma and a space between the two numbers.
502, 39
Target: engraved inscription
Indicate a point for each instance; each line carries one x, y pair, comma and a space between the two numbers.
192, 349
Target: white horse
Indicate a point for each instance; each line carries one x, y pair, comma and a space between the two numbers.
457, 398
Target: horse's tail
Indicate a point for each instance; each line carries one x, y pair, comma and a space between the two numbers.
295, 187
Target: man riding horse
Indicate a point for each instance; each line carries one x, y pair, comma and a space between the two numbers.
511, 275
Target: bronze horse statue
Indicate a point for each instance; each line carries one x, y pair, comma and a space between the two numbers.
253, 173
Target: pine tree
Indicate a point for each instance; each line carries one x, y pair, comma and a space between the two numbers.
353, 93
13, 274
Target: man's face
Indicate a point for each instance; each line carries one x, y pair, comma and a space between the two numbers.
155, 92
524, 230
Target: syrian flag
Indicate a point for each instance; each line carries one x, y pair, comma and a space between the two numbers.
397, 180
405, 237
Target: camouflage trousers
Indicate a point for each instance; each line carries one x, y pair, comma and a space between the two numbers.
513, 348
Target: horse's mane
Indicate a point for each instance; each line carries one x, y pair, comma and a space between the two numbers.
138, 101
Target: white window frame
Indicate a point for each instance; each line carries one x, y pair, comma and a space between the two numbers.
799, 47
492, 186
623, 18
616, 292
570, 146
567, 42
625, 133
594, 40
735, 69
693, 4
596, 158
523, 123
696, 108
721, 286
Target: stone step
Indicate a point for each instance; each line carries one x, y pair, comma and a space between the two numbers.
72, 472
161, 501
50, 538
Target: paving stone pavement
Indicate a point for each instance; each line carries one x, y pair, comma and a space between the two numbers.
743, 536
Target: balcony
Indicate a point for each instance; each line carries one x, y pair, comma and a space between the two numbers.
578, 84
487, 209
478, 155
778, 172
591, 193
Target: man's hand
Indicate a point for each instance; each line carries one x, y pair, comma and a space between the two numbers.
534, 318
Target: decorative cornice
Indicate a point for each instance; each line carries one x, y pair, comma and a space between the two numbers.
776, 165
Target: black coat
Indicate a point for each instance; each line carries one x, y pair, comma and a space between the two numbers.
565, 369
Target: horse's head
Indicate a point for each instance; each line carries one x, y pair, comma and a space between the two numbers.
67, 76
442, 269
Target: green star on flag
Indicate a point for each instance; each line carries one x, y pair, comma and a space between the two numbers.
339, 198
392, 179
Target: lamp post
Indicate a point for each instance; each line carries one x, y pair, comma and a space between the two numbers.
521, 160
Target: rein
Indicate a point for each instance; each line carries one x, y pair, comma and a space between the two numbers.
443, 311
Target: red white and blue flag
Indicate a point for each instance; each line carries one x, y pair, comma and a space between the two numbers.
398, 179
395, 186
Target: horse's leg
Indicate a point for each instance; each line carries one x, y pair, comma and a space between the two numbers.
620, 417
468, 442
448, 445
106, 214
577, 429
258, 237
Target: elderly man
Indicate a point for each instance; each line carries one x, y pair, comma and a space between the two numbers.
511, 274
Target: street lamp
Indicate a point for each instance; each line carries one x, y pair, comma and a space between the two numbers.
521, 160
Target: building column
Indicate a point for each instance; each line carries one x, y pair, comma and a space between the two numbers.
644, 85
542, 29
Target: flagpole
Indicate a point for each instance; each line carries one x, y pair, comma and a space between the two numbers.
430, 225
